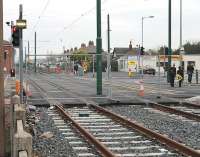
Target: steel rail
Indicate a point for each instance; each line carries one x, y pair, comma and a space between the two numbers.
98, 145
175, 111
189, 104
181, 148
171, 110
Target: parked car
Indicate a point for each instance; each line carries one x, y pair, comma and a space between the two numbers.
149, 70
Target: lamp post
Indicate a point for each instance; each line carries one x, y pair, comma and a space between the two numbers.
181, 24
181, 48
146, 17
143, 27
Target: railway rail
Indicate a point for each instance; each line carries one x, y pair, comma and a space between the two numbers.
186, 110
124, 125
109, 137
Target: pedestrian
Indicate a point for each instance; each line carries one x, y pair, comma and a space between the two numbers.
180, 75
12, 72
190, 70
76, 69
172, 75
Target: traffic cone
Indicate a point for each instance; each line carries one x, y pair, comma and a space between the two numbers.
141, 90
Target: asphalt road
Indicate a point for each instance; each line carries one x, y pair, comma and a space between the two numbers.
121, 86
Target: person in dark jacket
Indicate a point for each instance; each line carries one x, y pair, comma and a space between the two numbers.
12, 72
180, 74
190, 70
75, 69
172, 75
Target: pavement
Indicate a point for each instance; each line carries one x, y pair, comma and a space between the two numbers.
123, 89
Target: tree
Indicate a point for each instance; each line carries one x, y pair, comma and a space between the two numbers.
161, 50
192, 48
80, 55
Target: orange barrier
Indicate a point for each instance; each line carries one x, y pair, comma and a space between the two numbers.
17, 87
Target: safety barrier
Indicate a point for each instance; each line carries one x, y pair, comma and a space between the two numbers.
22, 141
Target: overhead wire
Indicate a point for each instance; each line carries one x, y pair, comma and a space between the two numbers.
78, 19
67, 27
40, 15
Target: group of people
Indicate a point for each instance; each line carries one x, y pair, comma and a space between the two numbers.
179, 74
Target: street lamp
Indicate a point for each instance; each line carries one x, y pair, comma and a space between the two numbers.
181, 48
142, 47
181, 23
143, 27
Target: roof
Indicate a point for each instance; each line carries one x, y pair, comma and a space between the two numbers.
91, 49
121, 51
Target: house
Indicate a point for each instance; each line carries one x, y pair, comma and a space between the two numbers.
122, 55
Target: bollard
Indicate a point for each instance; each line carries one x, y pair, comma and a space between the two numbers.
197, 77
19, 114
22, 141
23, 154
14, 100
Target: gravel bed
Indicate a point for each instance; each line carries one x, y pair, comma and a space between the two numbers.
55, 146
184, 132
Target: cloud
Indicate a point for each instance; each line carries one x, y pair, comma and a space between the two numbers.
79, 17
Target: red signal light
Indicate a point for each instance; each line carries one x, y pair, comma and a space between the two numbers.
14, 28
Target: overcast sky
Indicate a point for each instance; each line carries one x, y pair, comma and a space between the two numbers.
69, 23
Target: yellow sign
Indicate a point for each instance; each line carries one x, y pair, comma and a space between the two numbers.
173, 57
131, 62
179, 77
21, 24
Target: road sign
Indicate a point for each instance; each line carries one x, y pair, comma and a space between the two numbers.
21, 24
179, 77
131, 62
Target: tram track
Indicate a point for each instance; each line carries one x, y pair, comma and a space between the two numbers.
184, 151
186, 110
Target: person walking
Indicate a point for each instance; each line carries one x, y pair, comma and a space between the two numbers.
190, 70
76, 69
172, 75
180, 76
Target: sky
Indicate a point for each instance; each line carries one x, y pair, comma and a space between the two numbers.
68, 23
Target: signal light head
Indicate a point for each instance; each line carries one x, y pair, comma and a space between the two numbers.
15, 36
14, 29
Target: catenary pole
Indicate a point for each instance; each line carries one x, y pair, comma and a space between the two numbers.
108, 59
35, 54
28, 55
170, 33
99, 49
2, 111
108, 34
25, 59
169, 39
21, 55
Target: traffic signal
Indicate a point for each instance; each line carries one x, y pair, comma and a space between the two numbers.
15, 36
166, 51
142, 50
